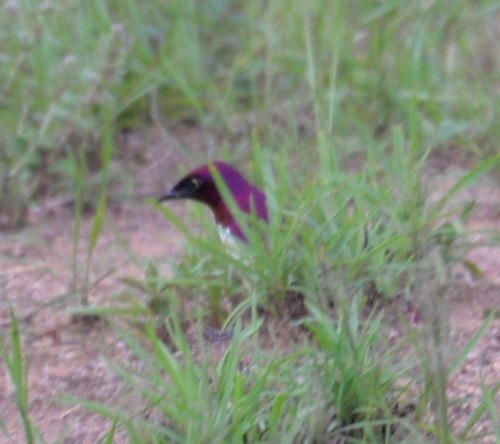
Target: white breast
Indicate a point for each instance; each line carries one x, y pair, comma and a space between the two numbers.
225, 235
234, 245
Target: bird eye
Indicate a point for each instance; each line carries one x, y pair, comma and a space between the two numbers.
195, 182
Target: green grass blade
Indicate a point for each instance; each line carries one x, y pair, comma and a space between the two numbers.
467, 180
471, 344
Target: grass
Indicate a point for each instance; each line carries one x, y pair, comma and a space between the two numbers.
334, 108
17, 370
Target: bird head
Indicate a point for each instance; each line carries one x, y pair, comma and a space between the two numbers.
200, 185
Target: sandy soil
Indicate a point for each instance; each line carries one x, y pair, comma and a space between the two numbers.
72, 357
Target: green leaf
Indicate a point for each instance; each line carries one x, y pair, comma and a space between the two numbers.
474, 269
467, 180
460, 359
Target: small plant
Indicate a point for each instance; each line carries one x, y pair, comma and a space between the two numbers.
81, 285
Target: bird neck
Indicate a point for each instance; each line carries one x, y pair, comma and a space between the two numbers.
222, 215
226, 222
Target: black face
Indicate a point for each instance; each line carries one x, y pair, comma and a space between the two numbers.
196, 188
187, 188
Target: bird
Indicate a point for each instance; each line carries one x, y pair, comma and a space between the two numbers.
200, 185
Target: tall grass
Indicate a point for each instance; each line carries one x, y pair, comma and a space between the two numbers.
323, 68
317, 248
61, 64
302, 91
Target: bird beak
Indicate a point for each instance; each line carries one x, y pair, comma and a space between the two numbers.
170, 195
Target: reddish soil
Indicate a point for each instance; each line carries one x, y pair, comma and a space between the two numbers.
67, 357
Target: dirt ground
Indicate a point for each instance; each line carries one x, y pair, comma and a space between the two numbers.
67, 357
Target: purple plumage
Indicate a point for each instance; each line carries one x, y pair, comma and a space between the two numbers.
200, 185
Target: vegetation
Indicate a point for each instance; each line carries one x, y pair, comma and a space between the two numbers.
334, 107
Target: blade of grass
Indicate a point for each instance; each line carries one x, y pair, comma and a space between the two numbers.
467, 180
471, 344
18, 371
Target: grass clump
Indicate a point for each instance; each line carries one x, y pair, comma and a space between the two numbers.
346, 231
334, 392
58, 75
